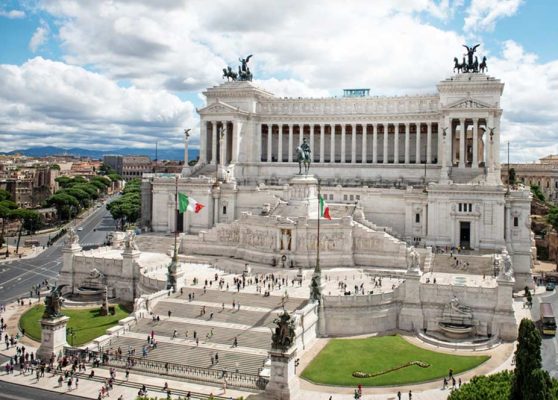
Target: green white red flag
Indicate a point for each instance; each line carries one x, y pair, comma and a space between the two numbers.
324, 209
186, 203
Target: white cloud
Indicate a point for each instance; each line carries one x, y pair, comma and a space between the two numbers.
12, 14
184, 46
39, 37
47, 102
530, 104
483, 14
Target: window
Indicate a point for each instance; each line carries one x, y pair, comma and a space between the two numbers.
460, 207
417, 218
357, 196
331, 197
224, 210
345, 197
470, 207
352, 197
516, 221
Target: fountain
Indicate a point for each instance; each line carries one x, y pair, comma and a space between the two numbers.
457, 320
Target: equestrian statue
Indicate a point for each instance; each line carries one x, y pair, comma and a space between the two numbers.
284, 335
303, 157
243, 74
471, 64
53, 303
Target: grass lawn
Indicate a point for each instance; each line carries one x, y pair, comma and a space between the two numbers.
335, 364
86, 322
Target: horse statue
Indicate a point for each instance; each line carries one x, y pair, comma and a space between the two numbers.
303, 157
483, 66
53, 303
475, 66
456, 65
229, 74
284, 335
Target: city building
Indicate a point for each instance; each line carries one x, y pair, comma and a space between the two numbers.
543, 173
129, 167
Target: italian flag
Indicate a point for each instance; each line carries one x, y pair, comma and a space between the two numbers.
324, 209
186, 203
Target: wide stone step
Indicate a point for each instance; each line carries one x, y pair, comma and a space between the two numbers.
246, 338
199, 357
187, 310
249, 299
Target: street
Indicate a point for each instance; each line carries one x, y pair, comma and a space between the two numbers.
17, 276
549, 346
10, 391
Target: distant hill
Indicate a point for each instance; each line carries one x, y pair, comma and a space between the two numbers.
163, 154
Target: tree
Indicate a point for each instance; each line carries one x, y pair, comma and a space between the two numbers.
536, 190
527, 381
552, 217
29, 219
127, 208
6, 207
64, 203
55, 166
493, 387
4, 195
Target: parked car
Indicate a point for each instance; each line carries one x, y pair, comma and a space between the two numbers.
80, 228
550, 286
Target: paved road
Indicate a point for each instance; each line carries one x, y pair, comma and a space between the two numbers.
17, 276
10, 391
549, 348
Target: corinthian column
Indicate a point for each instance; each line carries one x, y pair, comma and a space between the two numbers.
385, 134
462, 143
322, 142
429, 143
269, 142
214, 143
475, 143
396, 145
353, 144
290, 159
375, 144
407, 143
332, 143
343, 148
364, 144
280, 143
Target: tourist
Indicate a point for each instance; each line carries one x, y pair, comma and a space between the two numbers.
216, 358
211, 315
445, 383
235, 342
410, 395
169, 313
459, 382
398, 395
450, 373
174, 334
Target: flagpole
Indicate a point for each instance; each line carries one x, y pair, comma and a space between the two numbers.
317, 270
176, 213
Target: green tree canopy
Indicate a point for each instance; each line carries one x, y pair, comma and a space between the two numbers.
55, 166
65, 204
537, 193
4, 195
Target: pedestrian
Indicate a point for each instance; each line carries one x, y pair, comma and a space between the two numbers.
410, 395
127, 373
398, 395
216, 358
169, 313
235, 342
459, 382
77, 382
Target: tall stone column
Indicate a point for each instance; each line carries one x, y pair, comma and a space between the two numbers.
429, 143
375, 144
417, 144
343, 148
322, 142
475, 143
203, 142
236, 141
396, 145
332, 143
386, 140
214, 143
364, 144
259, 143
312, 127
353, 144
223, 140
407, 143
269, 142
462, 143
290, 159
300, 133
280, 144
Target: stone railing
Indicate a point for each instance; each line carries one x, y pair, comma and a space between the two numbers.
159, 368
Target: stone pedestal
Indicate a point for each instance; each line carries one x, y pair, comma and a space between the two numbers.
283, 382
53, 337
410, 316
303, 195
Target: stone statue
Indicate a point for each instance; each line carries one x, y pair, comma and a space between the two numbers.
72, 238
284, 335
460, 308
471, 64
303, 157
470, 53
286, 239
130, 241
229, 74
507, 271
413, 259
53, 303
244, 73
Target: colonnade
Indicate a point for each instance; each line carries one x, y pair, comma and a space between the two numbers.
217, 142
376, 143
470, 141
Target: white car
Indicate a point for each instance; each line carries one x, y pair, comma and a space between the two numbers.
80, 228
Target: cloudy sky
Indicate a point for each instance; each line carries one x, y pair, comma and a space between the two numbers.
104, 74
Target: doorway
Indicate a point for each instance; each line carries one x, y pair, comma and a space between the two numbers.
465, 234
